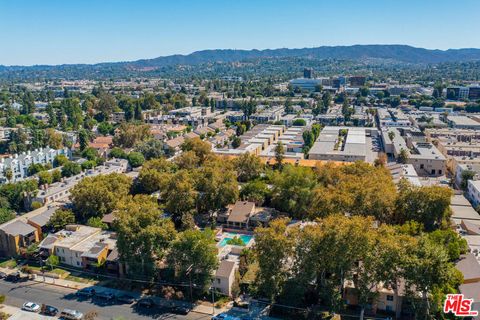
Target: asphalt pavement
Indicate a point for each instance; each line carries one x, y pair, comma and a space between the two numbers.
64, 298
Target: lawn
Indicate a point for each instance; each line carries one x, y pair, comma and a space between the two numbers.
10, 264
81, 279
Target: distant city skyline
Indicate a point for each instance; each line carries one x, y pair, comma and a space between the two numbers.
88, 31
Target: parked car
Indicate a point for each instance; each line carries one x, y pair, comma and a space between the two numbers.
181, 310
146, 303
125, 298
86, 292
3, 275
31, 307
105, 295
68, 314
49, 310
13, 277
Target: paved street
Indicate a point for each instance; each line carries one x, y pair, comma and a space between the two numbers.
18, 293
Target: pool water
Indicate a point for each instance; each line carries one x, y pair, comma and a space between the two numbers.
244, 237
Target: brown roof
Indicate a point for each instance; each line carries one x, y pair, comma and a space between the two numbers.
471, 290
225, 269
176, 142
241, 211
469, 267
108, 218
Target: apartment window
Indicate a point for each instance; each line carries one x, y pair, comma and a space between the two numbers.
433, 171
389, 298
439, 171
218, 281
421, 166
78, 263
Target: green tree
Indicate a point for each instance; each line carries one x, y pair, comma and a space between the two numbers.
96, 222
279, 154
181, 204
248, 167
52, 261
194, 250
99, 195
273, 247
135, 159
45, 177
71, 169
143, 235
60, 219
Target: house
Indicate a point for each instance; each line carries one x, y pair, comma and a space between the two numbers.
40, 221
225, 277
16, 235
239, 214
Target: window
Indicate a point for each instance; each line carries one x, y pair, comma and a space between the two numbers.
421, 166
389, 298
433, 171
218, 281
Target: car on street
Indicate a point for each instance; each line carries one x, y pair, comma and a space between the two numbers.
3, 275
125, 298
13, 277
49, 310
105, 295
146, 303
86, 292
183, 310
224, 316
68, 314
31, 307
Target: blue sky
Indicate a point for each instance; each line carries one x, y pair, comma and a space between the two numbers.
89, 31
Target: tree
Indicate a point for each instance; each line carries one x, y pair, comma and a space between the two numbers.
194, 250
217, 186
403, 156
273, 246
60, 160
466, 175
279, 154
52, 261
106, 105
71, 169
391, 135
56, 175
299, 123
236, 142
292, 190
99, 195
428, 205
248, 167
202, 149
143, 235
117, 152
135, 159
152, 149
181, 204
428, 269
89, 164
154, 176
105, 128
53, 139
60, 219
256, 191
6, 215
96, 222
130, 134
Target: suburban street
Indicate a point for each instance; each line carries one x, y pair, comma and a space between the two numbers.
18, 293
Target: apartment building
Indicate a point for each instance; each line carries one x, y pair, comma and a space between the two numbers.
18, 164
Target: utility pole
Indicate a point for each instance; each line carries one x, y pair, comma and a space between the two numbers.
189, 273
213, 299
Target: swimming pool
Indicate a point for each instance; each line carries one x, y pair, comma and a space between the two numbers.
246, 238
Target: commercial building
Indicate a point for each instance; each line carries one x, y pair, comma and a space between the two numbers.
463, 122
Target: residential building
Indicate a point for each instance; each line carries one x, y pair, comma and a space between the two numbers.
225, 277
18, 164
15, 235
348, 144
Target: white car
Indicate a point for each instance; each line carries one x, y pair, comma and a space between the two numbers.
31, 306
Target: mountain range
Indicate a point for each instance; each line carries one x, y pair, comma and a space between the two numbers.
395, 53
